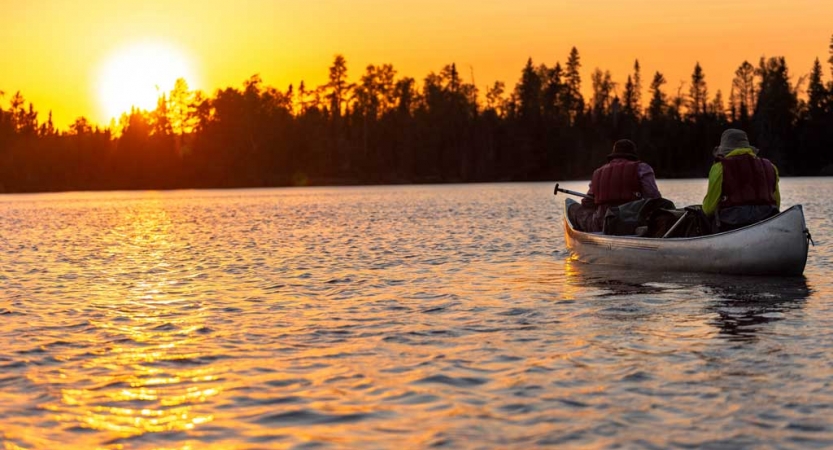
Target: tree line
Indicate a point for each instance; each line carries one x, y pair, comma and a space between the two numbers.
384, 128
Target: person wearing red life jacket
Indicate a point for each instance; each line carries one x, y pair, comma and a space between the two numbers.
743, 187
623, 179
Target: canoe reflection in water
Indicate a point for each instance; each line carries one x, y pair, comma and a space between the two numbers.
743, 305
738, 306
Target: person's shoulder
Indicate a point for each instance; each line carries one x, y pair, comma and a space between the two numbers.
767, 160
774, 167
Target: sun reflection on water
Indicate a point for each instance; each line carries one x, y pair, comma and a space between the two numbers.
147, 374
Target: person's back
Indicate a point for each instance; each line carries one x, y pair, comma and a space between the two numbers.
623, 179
616, 182
743, 188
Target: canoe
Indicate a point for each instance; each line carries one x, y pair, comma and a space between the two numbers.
775, 246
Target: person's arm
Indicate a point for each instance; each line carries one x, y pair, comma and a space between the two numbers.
585, 201
648, 181
777, 193
715, 190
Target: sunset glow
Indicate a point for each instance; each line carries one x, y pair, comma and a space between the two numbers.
136, 76
290, 42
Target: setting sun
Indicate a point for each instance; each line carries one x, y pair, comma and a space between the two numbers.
138, 75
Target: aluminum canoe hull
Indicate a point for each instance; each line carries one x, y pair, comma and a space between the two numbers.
775, 246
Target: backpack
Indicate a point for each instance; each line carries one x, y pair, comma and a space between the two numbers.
624, 219
695, 223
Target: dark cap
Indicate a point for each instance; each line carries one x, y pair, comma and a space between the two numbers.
624, 148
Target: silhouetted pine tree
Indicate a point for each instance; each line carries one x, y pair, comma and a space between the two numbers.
745, 94
698, 94
775, 112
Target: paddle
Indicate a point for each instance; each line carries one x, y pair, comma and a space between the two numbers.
676, 224
567, 191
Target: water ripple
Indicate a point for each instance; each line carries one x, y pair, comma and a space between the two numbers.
384, 317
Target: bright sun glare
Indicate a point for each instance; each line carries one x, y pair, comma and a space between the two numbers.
138, 75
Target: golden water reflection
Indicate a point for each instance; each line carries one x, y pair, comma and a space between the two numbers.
380, 318
146, 375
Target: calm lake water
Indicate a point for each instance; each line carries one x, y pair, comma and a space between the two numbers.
392, 317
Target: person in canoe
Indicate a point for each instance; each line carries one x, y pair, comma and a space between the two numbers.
743, 187
623, 179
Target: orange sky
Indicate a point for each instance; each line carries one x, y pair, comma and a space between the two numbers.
52, 50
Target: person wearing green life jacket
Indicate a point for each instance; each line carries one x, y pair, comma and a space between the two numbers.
743, 187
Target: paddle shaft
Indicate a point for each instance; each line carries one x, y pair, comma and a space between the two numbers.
567, 191
676, 224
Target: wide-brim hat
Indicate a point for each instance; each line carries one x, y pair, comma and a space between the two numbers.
733, 139
624, 148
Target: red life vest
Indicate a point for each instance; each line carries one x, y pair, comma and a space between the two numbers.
617, 182
747, 180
